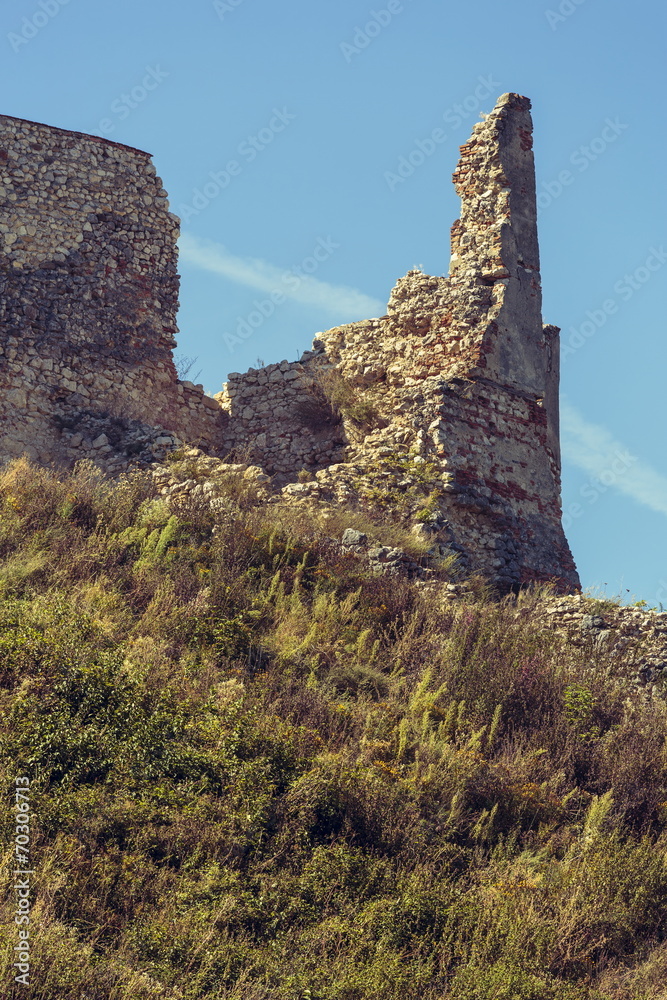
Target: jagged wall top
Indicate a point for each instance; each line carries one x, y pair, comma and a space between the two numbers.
454, 389
498, 225
495, 247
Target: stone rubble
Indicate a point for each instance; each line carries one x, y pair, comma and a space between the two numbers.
637, 635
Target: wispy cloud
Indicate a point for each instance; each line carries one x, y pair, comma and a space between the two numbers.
595, 450
345, 303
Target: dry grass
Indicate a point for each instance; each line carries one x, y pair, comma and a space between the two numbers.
259, 772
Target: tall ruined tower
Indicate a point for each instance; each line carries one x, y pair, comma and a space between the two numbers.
464, 376
494, 244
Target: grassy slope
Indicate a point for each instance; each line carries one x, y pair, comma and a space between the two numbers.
258, 772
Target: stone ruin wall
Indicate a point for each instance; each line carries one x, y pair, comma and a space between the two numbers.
88, 296
460, 373
461, 370
273, 421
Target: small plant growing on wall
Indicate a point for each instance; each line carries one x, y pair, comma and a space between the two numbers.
184, 365
317, 413
335, 399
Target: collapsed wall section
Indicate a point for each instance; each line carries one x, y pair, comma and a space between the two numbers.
280, 419
495, 473
88, 292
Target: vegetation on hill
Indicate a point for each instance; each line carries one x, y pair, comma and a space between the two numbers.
258, 771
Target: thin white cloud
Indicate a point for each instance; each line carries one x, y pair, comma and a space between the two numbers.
595, 450
346, 304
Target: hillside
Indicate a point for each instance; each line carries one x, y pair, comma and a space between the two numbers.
265, 763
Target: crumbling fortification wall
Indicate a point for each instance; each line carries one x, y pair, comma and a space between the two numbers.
443, 412
88, 295
462, 378
279, 419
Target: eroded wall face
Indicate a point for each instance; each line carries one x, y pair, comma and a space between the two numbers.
461, 371
279, 419
88, 291
504, 498
460, 375
499, 472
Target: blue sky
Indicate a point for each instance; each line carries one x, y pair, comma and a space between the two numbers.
278, 130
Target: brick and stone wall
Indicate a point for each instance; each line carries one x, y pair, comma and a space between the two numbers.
88, 295
462, 375
447, 412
